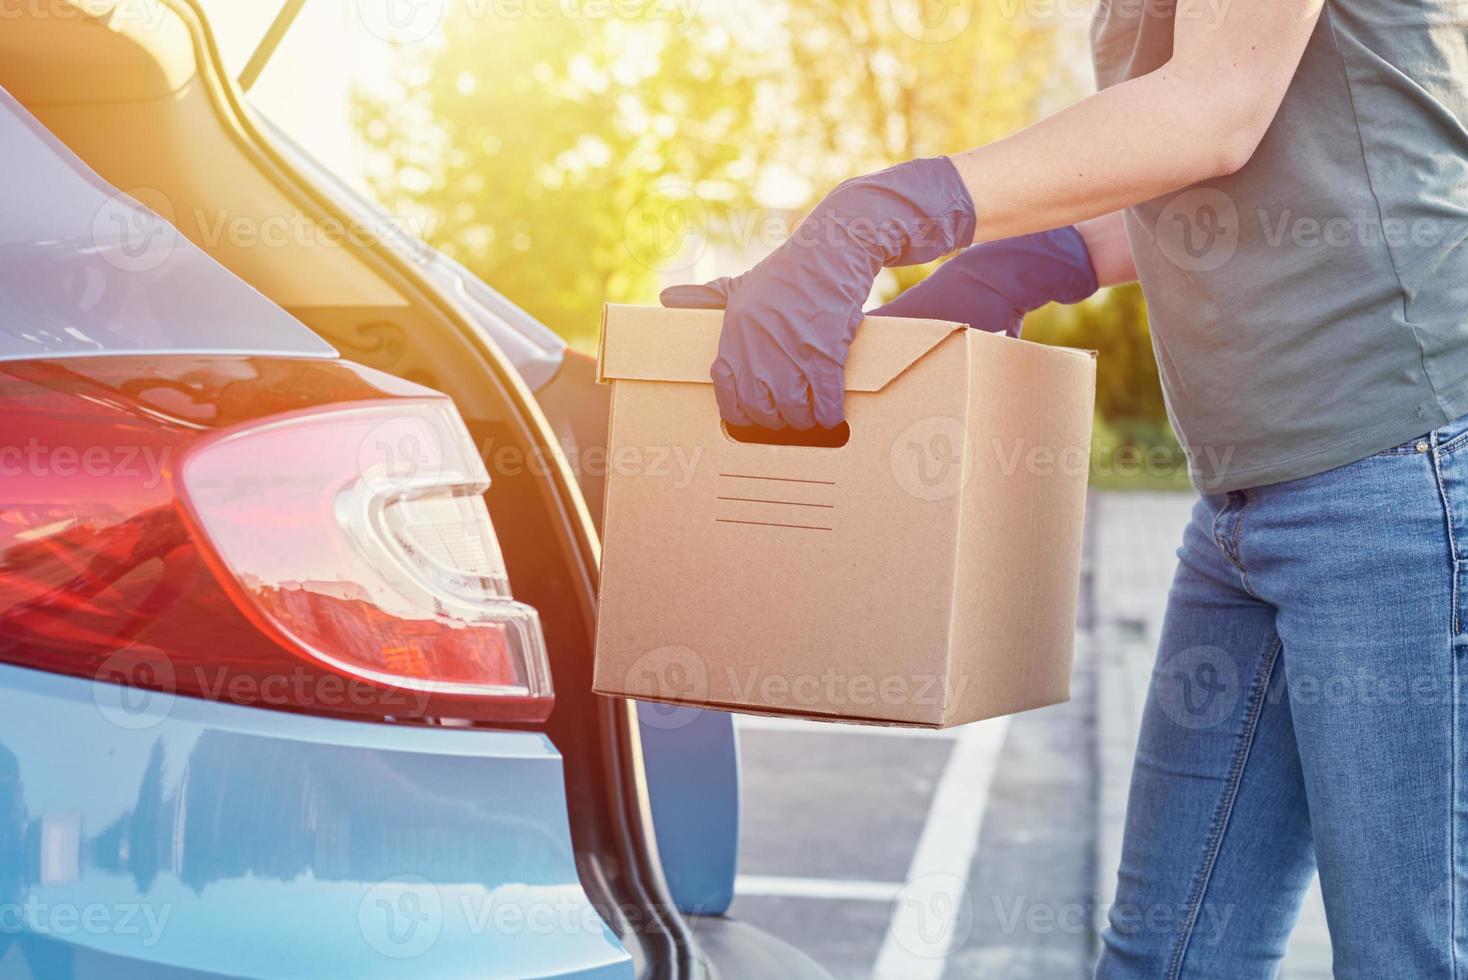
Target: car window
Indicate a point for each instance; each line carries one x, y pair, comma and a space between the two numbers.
85, 269
238, 27
305, 96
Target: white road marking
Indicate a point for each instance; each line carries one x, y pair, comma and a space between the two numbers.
775, 723
934, 909
832, 889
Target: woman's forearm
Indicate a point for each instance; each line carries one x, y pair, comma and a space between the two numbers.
1111, 252
1197, 117
1127, 144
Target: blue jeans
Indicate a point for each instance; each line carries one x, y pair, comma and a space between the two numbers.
1304, 714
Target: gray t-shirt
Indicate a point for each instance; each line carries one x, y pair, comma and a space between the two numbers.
1312, 308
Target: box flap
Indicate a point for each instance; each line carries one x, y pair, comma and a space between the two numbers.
649, 343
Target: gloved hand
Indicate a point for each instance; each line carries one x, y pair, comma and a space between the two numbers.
790, 320
992, 286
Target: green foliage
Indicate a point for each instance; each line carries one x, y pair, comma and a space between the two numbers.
529, 142
568, 160
1114, 324
1134, 444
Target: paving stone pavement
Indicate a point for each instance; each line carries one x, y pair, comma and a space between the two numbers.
1026, 811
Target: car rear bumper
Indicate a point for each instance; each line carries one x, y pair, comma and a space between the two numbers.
175, 837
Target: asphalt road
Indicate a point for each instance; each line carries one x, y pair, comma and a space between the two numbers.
989, 850
918, 855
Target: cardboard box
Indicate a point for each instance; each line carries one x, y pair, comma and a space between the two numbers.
924, 573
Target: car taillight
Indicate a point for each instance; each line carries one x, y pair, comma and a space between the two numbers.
359, 539
307, 536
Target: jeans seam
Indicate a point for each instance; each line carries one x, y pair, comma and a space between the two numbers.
1442, 492
1231, 550
1238, 535
1453, 898
1239, 521
1225, 808
1410, 448
1453, 444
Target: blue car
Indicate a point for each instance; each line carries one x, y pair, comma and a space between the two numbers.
297, 587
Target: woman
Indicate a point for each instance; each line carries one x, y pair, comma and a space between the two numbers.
1290, 184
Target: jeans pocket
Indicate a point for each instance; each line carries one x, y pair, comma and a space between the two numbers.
1451, 472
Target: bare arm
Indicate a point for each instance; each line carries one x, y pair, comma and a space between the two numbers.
1197, 117
1111, 252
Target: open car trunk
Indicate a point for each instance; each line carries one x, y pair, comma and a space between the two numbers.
148, 106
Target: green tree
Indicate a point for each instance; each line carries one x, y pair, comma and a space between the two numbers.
552, 152
529, 143
568, 159
1132, 425
864, 84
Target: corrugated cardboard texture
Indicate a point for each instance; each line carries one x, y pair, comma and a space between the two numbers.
876, 581
1020, 526
641, 343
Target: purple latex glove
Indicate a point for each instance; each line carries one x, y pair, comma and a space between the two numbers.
790, 320
992, 286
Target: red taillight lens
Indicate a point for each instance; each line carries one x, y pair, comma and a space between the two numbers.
360, 539
308, 536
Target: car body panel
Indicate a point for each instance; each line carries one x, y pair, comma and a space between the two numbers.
690, 757
692, 762
166, 141
234, 841
533, 348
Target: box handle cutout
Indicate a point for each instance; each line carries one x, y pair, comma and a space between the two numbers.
817, 438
